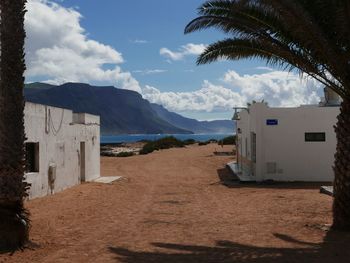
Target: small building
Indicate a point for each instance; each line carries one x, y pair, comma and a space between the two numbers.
286, 144
62, 148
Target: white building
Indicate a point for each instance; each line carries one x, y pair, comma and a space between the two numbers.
286, 144
62, 148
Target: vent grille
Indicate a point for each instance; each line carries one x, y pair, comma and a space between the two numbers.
271, 167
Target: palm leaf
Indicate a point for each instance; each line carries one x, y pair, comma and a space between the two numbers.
292, 28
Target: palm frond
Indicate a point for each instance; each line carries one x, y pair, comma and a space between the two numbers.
272, 54
307, 35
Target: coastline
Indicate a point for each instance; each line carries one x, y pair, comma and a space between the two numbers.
127, 138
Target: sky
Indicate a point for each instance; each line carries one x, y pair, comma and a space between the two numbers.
140, 46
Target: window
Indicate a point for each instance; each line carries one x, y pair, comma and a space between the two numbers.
315, 136
32, 157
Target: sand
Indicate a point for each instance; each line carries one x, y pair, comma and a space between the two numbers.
179, 205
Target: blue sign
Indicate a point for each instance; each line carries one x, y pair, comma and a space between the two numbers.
271, 122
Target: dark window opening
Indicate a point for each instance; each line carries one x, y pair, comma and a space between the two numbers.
253, 146
315, 136
32, 157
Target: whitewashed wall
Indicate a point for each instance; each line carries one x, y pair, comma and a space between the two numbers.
59, 133
284, 144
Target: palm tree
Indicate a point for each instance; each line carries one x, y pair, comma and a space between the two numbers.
312, 37
14, 222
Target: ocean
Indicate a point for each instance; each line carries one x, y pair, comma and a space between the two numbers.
153, 137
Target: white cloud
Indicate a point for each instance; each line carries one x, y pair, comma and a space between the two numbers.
279, 89
150, 71
208, 98
185, 50
59, 50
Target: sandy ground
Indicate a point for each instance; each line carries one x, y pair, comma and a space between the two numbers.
179, 205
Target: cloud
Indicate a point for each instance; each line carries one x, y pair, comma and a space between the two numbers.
209, 98
59, 50
279, 89
185, 50
150, 71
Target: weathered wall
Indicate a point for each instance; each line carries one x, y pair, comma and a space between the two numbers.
59, 144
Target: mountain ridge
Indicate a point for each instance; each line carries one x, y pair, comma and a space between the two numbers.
217, 126
121, 111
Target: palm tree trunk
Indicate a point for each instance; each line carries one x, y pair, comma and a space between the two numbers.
14, 222
341, 204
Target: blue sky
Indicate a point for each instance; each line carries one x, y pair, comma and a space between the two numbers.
160, 23
140, 45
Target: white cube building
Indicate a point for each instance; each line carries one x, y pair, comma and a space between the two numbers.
286, 144
62, 148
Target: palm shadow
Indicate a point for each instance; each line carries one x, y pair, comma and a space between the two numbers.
334, 248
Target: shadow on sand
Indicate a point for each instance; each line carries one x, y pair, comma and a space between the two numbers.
335, 248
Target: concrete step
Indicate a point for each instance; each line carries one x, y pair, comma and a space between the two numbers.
107, 179
243, 178
328, 190
239, 174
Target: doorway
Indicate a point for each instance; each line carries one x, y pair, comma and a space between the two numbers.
82, 162
253, 152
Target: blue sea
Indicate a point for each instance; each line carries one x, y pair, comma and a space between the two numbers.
153, 137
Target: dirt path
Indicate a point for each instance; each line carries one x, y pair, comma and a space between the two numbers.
171, 206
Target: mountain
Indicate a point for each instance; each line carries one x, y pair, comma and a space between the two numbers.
219, 126
38, 86
121, 111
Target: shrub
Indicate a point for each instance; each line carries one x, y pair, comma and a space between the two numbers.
147, 148
189, 141
207, 142
163, 143
168, 142
107, 154
125, 154
230, 140
106, 148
